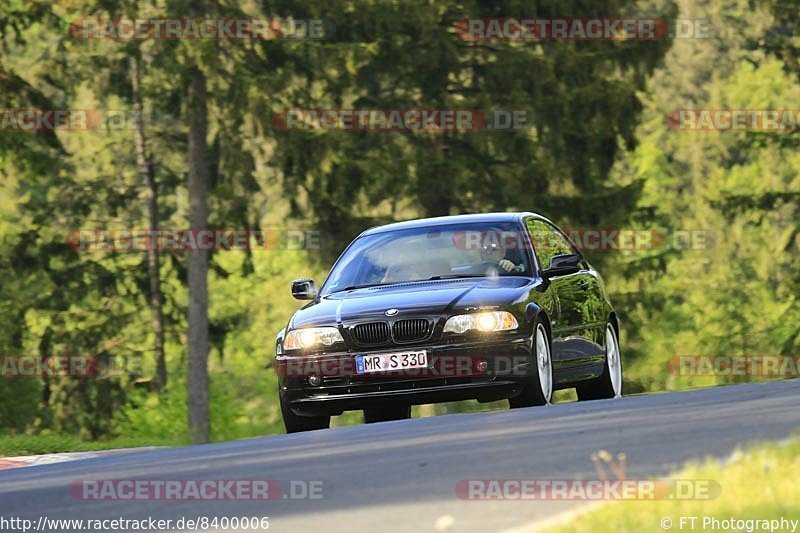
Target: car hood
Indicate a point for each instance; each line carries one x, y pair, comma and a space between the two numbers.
427, 297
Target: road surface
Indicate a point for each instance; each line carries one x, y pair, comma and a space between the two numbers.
401, 476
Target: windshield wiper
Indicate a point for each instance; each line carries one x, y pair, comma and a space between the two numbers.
455, 276
354, 287
433, 278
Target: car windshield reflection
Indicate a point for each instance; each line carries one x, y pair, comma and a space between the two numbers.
430, 253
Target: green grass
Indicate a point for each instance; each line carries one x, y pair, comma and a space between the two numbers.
758, 484
14, 445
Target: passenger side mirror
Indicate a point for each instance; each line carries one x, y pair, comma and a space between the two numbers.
304, 289
562, 265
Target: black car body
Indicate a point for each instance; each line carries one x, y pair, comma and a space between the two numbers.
396, 287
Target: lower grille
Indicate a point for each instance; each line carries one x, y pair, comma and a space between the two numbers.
414, 329
371, 333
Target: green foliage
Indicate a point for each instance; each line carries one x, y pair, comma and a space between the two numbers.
154, 416
580, 101
17, 445
740, 296
597, 153
246, 313
773, 466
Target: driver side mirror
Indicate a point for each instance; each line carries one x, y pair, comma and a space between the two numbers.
562, 265
304, 289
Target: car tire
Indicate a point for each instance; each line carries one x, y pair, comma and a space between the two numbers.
538, 389
296, 423
609, 385
386, 413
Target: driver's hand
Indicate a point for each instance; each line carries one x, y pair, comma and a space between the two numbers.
507, 265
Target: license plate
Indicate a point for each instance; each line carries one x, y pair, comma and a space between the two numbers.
387, 362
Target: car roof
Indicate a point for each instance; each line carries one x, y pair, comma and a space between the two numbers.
455, 219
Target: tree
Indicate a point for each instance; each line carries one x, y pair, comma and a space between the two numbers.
147, 169
733, 293
197, 383
580, 98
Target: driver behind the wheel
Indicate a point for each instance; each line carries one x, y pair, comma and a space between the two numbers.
492, 253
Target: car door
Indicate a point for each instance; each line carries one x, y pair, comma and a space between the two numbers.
578, 300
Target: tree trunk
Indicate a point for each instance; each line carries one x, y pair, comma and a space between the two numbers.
197, 386
148, 172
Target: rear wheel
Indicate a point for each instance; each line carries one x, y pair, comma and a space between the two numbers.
539, 388
385, 413
609, 385
296, 423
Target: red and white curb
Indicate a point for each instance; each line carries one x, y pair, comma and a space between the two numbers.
53, 458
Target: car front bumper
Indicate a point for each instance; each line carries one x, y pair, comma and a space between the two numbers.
485, 370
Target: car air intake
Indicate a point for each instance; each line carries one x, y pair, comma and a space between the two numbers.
410, 330
371, 333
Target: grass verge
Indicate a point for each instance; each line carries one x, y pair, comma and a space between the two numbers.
15, 445
757, 484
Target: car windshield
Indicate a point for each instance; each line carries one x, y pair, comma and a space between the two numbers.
434, 252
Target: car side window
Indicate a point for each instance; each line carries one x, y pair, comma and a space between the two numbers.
547, 241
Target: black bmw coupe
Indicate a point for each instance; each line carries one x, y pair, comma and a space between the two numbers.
487, 306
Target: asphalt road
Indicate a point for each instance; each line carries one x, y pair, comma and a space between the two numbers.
401, 476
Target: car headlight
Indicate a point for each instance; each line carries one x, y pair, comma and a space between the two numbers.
310, 337
486, 321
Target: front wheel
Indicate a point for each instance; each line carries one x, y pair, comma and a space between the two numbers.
609, 385
539, 388
296, 423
